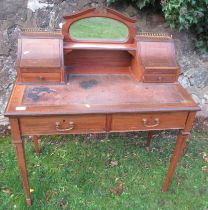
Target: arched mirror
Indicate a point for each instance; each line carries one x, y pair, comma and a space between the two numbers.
99, 29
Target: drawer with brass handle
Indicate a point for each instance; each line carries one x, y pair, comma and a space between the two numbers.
60, 127
63, 124
148, 121
149, 125
41, 77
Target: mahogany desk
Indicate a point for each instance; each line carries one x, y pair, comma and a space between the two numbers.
70, 87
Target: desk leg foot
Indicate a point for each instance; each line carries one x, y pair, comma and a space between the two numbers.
149, 138
36, 145
178, 150
29, 202
20, 153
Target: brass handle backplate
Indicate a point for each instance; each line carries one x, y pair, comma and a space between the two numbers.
146, 124
58, 127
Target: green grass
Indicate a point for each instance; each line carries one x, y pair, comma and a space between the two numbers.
76, 172
98, 28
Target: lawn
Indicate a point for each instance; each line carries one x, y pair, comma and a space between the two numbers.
99, 172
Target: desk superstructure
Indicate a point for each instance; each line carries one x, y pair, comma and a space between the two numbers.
67, 86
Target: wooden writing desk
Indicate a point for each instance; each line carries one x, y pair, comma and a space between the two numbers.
67, 86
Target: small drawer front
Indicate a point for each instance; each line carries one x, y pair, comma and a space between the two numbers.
154, 121
166, 78
162, 71
41, 77
62, 124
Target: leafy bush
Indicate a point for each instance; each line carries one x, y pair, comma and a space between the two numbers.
189, 14
183, 14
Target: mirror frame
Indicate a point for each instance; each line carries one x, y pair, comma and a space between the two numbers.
102, 12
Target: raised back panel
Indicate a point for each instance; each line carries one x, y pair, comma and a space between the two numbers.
40, 57
157, 54
40, 53
158, 58
40, 50
105, 13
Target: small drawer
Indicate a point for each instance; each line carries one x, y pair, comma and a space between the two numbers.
41, 77
162, 71
154, 121
62, 124
159, 78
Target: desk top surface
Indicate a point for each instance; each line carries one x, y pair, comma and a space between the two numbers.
98, 93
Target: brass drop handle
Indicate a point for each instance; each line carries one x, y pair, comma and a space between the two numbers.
58, 127
145, 122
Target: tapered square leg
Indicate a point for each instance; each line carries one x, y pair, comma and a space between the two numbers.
36, 144
20, 155
149, 138
183, 136
178, 150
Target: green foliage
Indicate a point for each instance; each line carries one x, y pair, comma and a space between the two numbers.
189, 14
139, 3
183, 14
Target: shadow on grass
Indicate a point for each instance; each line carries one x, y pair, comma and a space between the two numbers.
106, 172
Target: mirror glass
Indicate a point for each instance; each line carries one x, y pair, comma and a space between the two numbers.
99, 29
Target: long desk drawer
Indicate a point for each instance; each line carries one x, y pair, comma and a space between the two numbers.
150, 121
76, 124
62, 124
